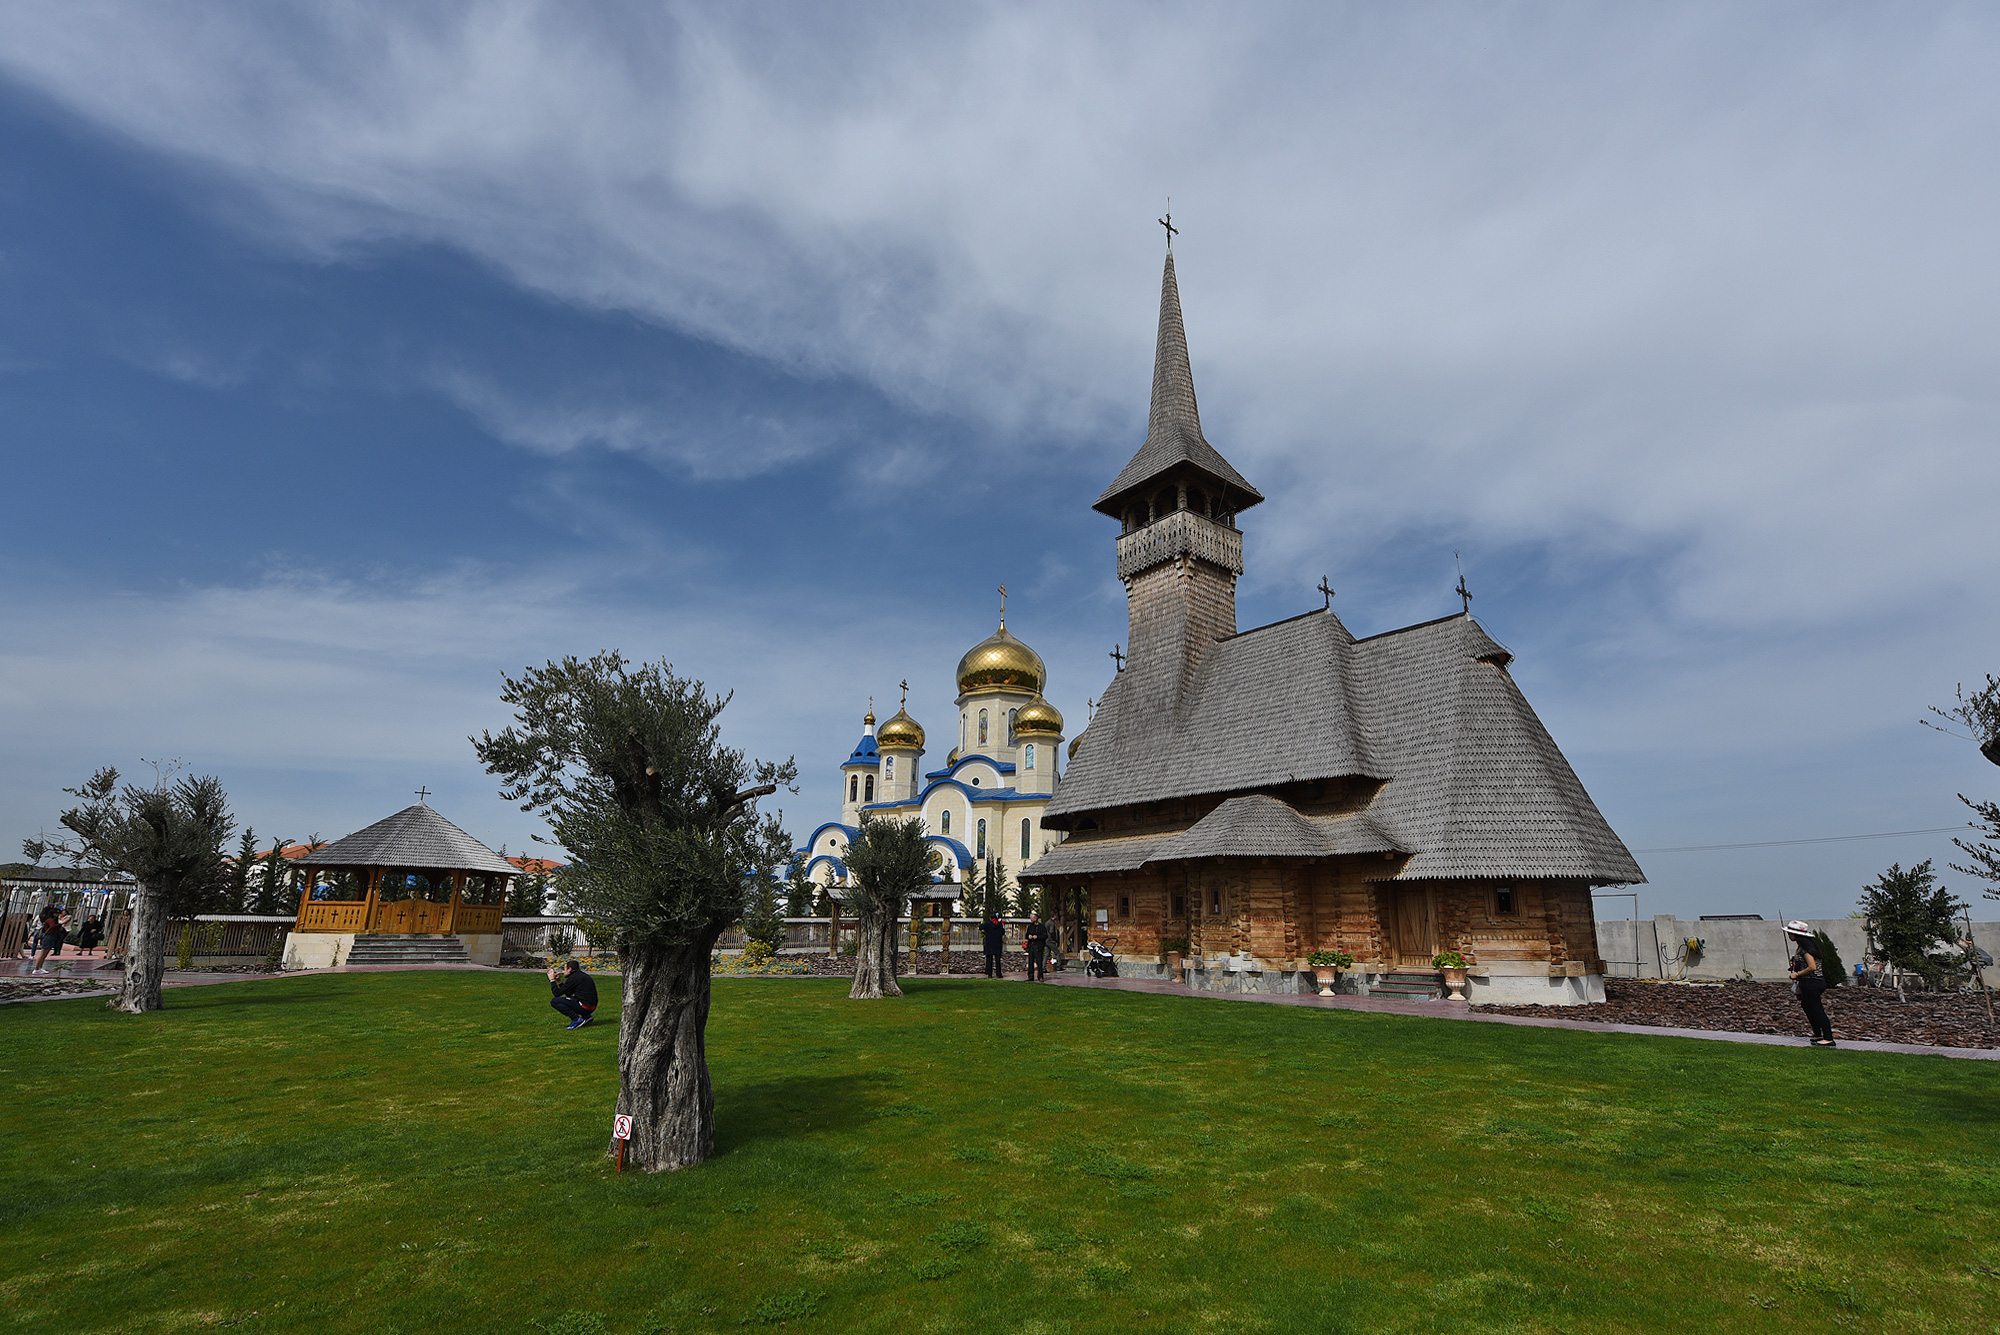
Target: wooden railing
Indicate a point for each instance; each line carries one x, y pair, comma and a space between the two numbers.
349, 916
476, 918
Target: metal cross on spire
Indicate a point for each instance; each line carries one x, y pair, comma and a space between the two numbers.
1464, 594
905, 684
1326, 589
1118, 656
1168, 223
1003, 604
422, 793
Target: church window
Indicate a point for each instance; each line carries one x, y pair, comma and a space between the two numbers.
1031, 755
1180, 906
982, 727
1010, 725
853, 786
1215, 901
1024, 839
1503, 901
889, 768
982, 838
946, 820
1124, 906
868, 789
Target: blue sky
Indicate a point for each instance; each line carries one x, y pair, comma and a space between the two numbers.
350, 357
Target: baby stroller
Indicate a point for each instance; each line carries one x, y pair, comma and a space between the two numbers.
1098, 962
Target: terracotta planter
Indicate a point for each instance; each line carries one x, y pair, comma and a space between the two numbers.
1328, 975
1454, 979
1174, 965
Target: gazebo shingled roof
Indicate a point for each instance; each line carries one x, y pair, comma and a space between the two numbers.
416, 837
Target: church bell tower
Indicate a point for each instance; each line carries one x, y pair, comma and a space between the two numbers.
1179, 550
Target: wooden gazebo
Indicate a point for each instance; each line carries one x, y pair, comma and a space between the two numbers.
414, 873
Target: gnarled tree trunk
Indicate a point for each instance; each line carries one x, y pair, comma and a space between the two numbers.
663, 1082
145, 954
875, 959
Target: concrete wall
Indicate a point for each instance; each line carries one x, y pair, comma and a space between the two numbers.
1735, 947
316, 950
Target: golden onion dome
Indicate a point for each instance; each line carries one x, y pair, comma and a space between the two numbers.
1001, 662
1038, 718
1074, 743
900, 730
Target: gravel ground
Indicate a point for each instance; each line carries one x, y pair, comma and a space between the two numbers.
1950, 1020
15, 989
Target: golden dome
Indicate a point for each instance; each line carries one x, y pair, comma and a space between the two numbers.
1001, 662
1038, 718
900, 730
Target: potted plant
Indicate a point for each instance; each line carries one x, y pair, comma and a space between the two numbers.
1326, 967
1171, 951
1454, 965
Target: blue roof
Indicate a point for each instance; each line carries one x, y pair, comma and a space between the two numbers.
813, 838
1004, 766
838, 865
977, 795
864, 752
960, 853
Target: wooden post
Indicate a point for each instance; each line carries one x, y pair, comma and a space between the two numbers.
451, 910
946, 970
373, 875
305, 897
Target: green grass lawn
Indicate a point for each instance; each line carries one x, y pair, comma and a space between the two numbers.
421, 1152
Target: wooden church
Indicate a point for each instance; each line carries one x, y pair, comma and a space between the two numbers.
1270, 792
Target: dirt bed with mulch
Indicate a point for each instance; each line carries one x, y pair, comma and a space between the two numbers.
1948, 1020
963, 962
19, 989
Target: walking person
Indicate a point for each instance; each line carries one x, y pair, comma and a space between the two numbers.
1809, 981
574, 993
1036, 940
55, 926
993, 940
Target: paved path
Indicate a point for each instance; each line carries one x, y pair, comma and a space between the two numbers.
1444, 1010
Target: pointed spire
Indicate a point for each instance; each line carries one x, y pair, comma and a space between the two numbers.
1173, 427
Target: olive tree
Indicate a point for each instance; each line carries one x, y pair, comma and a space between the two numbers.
1979, 714
1908, 915
169, 839
626, 764
887, 862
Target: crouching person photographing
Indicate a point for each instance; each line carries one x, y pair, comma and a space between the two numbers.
574, 993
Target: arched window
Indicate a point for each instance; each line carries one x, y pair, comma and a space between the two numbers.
982, 727
868, 789
1031, 755
1024, 838
982, 838
853, 786
889, 768
1010, 725
944, 822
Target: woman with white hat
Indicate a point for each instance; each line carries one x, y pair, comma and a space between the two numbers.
1809, 981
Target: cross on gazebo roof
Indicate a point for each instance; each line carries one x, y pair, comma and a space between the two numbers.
423, 793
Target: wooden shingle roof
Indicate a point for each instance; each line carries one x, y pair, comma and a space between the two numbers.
416, 837
1471, 783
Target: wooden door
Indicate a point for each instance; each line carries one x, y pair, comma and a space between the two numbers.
1415, 930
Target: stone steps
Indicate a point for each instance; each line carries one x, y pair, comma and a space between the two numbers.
1408, 985
384, 948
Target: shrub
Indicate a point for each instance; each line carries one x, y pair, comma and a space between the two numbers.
1333, 959
1174, 945
1829, 960
1447, 959
758, 953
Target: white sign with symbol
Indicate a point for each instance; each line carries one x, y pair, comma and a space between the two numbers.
621, 1127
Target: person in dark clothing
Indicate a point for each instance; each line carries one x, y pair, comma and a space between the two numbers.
993, 939
92, 935
574, 993
1036, 940
1809, 981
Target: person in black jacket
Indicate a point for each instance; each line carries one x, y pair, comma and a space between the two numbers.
993, 938
1809, 981
1036, 939
574, 993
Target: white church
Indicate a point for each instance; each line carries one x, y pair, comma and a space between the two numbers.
987, 799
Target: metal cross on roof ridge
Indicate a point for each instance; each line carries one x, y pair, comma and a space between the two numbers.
1168, 223
422, 793
1328, 591
1118, 656
1464, 594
